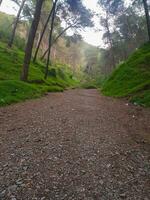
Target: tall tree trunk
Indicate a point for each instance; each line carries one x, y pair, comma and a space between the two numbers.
147, 17
50, 40
42, 34
1, 2
110, 41
30, 42
38, 39
10, 43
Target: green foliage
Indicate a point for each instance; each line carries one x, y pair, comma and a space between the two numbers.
5, 26
14, 90
76, 8
52, 72
132, 78
128, 33
90, 83
6, 23
142, 98
87, 85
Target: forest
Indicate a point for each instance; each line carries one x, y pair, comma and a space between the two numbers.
74, 99
38, 37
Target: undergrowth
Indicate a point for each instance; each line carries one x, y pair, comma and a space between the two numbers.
132, 78
13, 90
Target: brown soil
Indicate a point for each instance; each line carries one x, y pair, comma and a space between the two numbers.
76, 145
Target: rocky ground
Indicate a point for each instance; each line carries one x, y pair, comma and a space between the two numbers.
76, 145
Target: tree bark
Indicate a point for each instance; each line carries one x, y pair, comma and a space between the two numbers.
1, 2
50, 40
10, 43
147, 17
42, 34
30, 42
110, 41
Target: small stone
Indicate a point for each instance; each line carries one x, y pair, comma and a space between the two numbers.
123, 195
83, 171
19, 182
108, 165
46, 190
38, 140
12, 188
5, 165
101, 182
25, 168
13, 198
2, 193
27, 140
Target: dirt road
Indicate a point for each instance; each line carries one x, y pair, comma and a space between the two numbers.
76, 145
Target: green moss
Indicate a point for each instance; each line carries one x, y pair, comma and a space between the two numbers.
55, 89
132, 78
88, 85
13, 90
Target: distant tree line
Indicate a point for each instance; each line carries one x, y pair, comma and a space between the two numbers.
125, 29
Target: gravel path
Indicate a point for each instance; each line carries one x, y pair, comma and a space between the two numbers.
76, 145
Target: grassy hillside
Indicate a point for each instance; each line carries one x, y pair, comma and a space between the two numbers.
132, 78
14, 90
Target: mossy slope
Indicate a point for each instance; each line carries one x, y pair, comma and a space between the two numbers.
13, 90
132, 78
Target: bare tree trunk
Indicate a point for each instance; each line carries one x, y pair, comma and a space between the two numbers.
111, 42
30, 42
147, 17
1, 2
10, 43
38, 39
42, 34
50, 40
